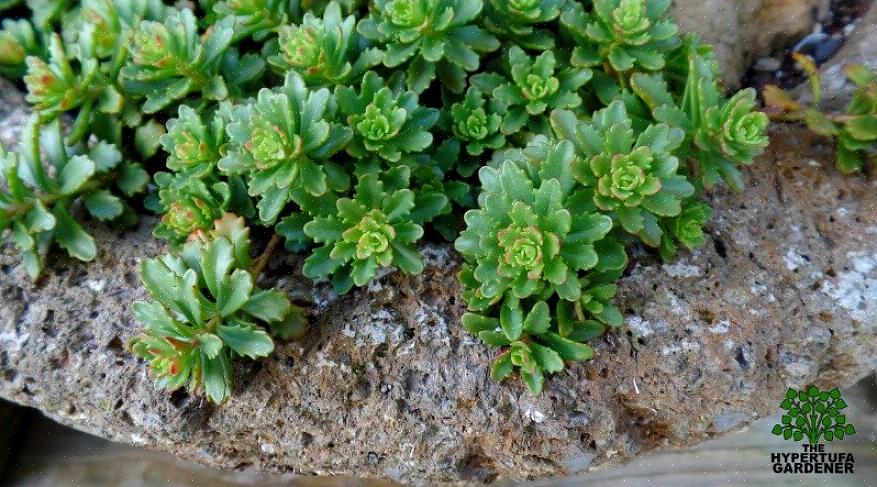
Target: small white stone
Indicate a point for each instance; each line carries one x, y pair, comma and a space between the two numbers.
793, 260
534, 415
639, 326
681, 270
720, 327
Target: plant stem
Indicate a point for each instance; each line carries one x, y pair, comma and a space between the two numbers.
261, 261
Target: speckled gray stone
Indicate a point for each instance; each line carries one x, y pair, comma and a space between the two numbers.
387, 383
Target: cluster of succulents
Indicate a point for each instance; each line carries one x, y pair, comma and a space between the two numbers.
854, 130
353, 130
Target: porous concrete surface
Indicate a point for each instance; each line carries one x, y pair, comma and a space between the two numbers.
388, 384
743, 30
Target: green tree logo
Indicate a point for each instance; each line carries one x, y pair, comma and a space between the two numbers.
813, 414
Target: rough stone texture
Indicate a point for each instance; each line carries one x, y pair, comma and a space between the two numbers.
742, 30
387, 384
860, 48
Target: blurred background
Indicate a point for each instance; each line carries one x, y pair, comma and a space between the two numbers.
37, 452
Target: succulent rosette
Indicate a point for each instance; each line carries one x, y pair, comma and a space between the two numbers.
188, 205
431, 36
284, 140
327, 50
258, 18
633, 178
686, 228
523, 240
193, 145
374, 229
206, 310
521, 21
735, 128
17, 41
385, 121
628, 34
170, 59
536, 86
477, 123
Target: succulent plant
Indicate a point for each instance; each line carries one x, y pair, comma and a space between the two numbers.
635, 179
576, 128
523, 21
284, 140
371, 230
385, 121
477, 125
36, 203
194, 146
431, 36
17, 41
854, 130
170, 59
327, 50
206, 310
535, 87
627, 34
523, 241
258, 18
686, 228
188, 205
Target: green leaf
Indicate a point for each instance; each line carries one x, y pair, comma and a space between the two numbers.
538, 321
103, 205
863, 127
234, 292
534, 381
246, 340
211, 344
38, 219
502, 367
75, 174
132, 179
270, 305
71, 237
547, 359
216, 378
147, 138
511, 319
568, 349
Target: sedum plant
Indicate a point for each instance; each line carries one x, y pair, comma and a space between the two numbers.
387, 122
477, 123
544, 138
854, 130
631, 176
206, 311
431, 36
37, 203
523, 21
283, 141
327, 50
373, 229
536, 86
531, 242
17, 41
627, 34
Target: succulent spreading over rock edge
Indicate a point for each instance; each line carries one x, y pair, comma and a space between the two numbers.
542, 137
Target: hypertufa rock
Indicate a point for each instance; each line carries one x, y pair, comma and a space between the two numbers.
742, 30
388, 384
